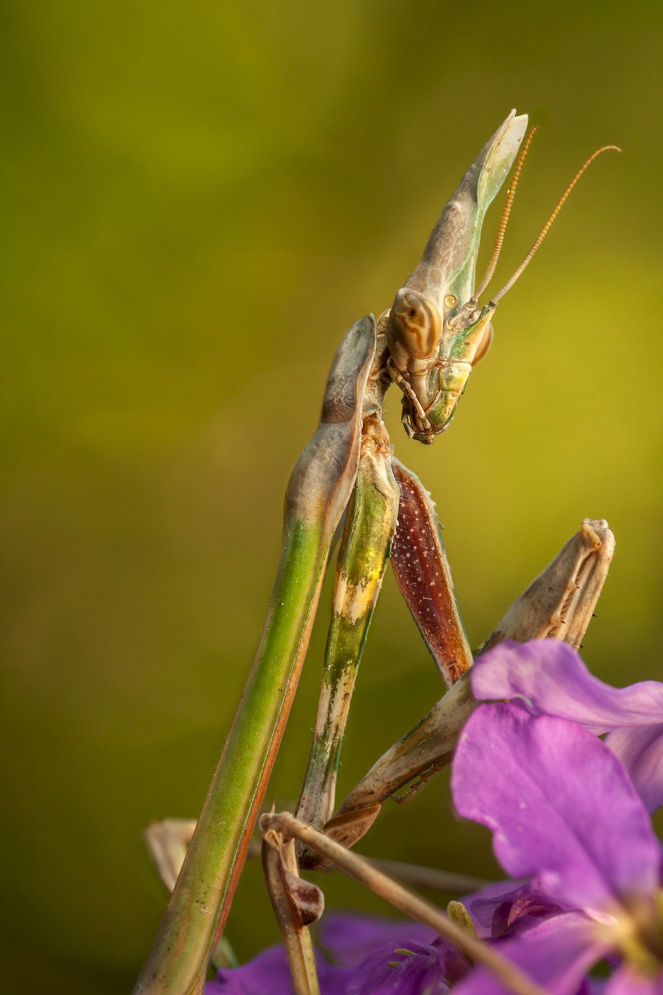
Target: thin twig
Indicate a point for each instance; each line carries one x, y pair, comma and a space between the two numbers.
427, 877
413, 905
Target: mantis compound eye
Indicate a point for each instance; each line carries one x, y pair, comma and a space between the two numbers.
484, 344
415, 328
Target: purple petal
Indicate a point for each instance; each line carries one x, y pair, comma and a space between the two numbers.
560, 805
557, 954
402, 970
483, 904
525, 912
625, 982
507, 907
269, 974
549, 678
641, 752
593, 986
351, 938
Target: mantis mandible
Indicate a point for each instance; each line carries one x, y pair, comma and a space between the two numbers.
427, 344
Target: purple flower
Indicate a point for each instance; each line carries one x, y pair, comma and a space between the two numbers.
350, 937
376, 955
392, 957
547, 677
502, 909
269, 974
408, 970
564, 812
567, 820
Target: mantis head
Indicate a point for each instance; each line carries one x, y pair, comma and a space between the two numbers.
436, 331
437, 356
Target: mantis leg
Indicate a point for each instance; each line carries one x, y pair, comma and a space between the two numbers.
422, 572
167, 842
558, 604
296, 904
277, 829
317, 494
369, 530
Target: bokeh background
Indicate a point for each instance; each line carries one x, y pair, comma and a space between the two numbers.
199, 199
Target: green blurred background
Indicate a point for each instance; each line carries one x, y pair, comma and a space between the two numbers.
199, 199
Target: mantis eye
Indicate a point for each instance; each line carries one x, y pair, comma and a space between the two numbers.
484, 344
415, 327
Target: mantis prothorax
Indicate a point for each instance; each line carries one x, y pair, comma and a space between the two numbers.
427, 344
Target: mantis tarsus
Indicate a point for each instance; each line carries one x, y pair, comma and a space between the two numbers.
426, 344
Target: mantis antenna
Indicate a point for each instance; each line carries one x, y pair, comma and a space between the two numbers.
546, 228
503, 221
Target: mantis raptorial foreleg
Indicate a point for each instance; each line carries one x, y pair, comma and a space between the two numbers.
559, 604
423, 576
422, 572
370, 526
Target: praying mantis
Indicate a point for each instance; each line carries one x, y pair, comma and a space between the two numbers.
426, 344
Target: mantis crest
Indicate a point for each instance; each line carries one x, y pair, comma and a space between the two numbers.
426, 344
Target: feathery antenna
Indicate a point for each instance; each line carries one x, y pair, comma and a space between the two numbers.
503, 220
546, 228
